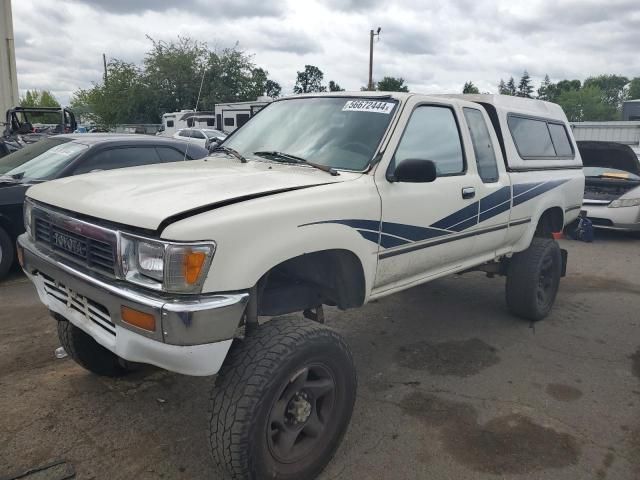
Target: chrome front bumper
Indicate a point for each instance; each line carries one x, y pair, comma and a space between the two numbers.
192, 335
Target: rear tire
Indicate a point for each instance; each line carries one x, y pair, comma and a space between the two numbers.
533, 279
7, 253
88, 353
282, 402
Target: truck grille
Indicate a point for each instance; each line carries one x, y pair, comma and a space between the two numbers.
93, 253
91, 310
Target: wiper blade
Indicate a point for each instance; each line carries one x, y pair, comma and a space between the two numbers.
296, 159
230, 151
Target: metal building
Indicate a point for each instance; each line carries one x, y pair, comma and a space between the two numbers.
627, 133
8, 76
631, 110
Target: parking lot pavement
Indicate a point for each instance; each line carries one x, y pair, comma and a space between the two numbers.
450, 387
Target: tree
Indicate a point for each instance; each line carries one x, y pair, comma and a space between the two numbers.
272, 89
39, 98
469, 87
309, 80
634, 89
545, 88
612, 87
392, 84
511, 87
334, 87
586, 104
525, 89
502, 88
172, 77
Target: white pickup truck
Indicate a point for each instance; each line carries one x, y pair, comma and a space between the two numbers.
328, 199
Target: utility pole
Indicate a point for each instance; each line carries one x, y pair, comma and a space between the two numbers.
104, 62
371, 35
8, 76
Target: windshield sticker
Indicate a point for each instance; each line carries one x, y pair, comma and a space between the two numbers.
368, 106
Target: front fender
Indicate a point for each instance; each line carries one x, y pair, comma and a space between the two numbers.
254, 236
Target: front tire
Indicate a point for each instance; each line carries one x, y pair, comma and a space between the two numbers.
7, 253
88, 353
282, 402
533, 279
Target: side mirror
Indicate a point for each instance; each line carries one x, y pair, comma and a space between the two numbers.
414, 170
213, 143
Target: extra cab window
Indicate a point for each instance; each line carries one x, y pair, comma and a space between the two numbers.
539, 138
482, 145
432, 134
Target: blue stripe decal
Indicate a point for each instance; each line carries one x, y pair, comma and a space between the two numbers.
457, 217
411, 232
367, 234
387, 241
534, 192
504, 207
390, 234
496, 198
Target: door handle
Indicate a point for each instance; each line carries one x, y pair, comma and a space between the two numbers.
468, 192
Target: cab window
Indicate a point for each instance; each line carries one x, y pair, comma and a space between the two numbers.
432, 134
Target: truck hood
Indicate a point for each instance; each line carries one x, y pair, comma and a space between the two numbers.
609, 155
146, 196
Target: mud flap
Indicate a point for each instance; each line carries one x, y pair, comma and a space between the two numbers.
565, 256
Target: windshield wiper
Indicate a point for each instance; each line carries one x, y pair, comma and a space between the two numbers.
295, 159
230, 151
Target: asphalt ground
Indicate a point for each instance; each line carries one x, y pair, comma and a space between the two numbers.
450, 387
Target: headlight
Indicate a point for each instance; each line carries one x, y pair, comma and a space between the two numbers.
28, 207
168, 266
625, 202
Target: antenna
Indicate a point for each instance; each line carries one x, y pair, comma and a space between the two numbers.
204, 72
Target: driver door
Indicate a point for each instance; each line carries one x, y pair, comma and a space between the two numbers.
423, 223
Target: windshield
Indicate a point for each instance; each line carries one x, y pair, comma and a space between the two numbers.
610, 172
339, 132
41, 160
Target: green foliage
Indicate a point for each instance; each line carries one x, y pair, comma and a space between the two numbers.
525, 89
392, 84
39, 98
334, 87
544, 91
586, 104
612, 87
469, 87
510, 87
634, 89
309, 80
169, 80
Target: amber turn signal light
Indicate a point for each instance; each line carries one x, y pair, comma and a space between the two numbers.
146, 321
193, 262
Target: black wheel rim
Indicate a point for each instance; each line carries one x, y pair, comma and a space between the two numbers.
300, 417
546, 280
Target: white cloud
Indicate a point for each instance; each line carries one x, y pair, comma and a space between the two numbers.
435, 46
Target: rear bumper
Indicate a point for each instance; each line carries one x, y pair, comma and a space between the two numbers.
192, 335
623, 218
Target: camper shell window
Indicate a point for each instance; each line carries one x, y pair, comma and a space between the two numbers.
539, 138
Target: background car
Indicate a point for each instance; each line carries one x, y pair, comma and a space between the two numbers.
200, 136
66, 155
612, 185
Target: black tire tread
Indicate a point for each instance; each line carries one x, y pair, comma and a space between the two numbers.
522, 276
88, 353
246, 373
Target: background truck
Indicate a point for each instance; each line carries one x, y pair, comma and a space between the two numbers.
329, 199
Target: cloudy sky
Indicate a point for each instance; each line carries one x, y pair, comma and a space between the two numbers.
435, 45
